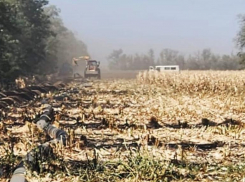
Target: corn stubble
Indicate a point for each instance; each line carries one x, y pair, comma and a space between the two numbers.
159, 127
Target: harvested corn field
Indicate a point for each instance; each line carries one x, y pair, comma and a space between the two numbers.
159, 127
232, 82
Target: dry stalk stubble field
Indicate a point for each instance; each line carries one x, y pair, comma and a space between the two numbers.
158, 127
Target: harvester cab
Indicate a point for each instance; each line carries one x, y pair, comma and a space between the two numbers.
92, 69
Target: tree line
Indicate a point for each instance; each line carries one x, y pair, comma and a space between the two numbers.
203, 60
33, 39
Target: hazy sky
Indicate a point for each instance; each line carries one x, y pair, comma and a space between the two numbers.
138, 25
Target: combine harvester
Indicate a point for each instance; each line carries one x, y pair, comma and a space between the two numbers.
92, 67
82, 67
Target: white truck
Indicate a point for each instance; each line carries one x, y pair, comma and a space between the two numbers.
167, 68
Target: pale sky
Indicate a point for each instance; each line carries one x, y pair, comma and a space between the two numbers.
138, 25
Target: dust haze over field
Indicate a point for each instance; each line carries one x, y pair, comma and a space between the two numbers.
137, 26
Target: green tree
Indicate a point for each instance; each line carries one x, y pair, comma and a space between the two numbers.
114, 59
151, 57
34, 24
9, 34
24, 29
241, 40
